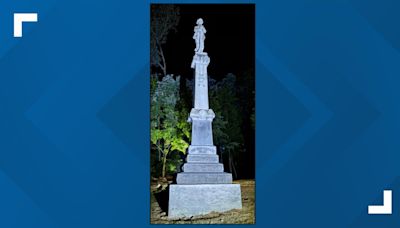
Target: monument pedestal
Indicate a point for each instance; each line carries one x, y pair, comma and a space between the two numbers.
199, 199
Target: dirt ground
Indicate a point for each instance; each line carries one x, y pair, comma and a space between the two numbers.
243, 216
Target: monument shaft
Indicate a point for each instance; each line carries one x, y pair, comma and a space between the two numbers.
200, 63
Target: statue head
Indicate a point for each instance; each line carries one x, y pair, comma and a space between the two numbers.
199, 21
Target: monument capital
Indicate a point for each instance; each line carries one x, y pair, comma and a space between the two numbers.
200, 58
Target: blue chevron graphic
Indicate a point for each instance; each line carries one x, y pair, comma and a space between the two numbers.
319, 113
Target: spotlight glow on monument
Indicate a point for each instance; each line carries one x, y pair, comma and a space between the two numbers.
203, 186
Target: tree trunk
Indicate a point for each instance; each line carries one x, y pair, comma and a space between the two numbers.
229, 161
164, 165
234, 169
163, 66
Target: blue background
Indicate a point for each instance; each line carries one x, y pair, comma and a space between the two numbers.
74, 113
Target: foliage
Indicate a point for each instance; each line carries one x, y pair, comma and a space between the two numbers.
246, 93
164, 19
246, 96
169, 130
224, 100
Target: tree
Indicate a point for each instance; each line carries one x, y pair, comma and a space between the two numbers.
224, 101
169, 131
164, 18
246, 93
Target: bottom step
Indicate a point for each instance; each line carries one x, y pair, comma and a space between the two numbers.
191, 200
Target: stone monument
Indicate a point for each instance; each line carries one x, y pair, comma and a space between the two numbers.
203, 186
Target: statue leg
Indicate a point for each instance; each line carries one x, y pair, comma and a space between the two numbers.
201, 48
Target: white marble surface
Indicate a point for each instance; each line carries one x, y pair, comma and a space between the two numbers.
199, 35
191, 200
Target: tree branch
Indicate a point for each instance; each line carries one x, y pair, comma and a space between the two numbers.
164, 64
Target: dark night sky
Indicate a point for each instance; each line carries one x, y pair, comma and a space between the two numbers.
229, 39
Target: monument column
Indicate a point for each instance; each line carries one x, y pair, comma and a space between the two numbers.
201, 116
203, 186
199, 64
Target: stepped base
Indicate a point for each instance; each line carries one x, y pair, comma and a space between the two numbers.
204, 178
203, 167
202, 150
191, 200
202, 158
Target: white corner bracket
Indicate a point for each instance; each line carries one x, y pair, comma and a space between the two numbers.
386, 208
19, 18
